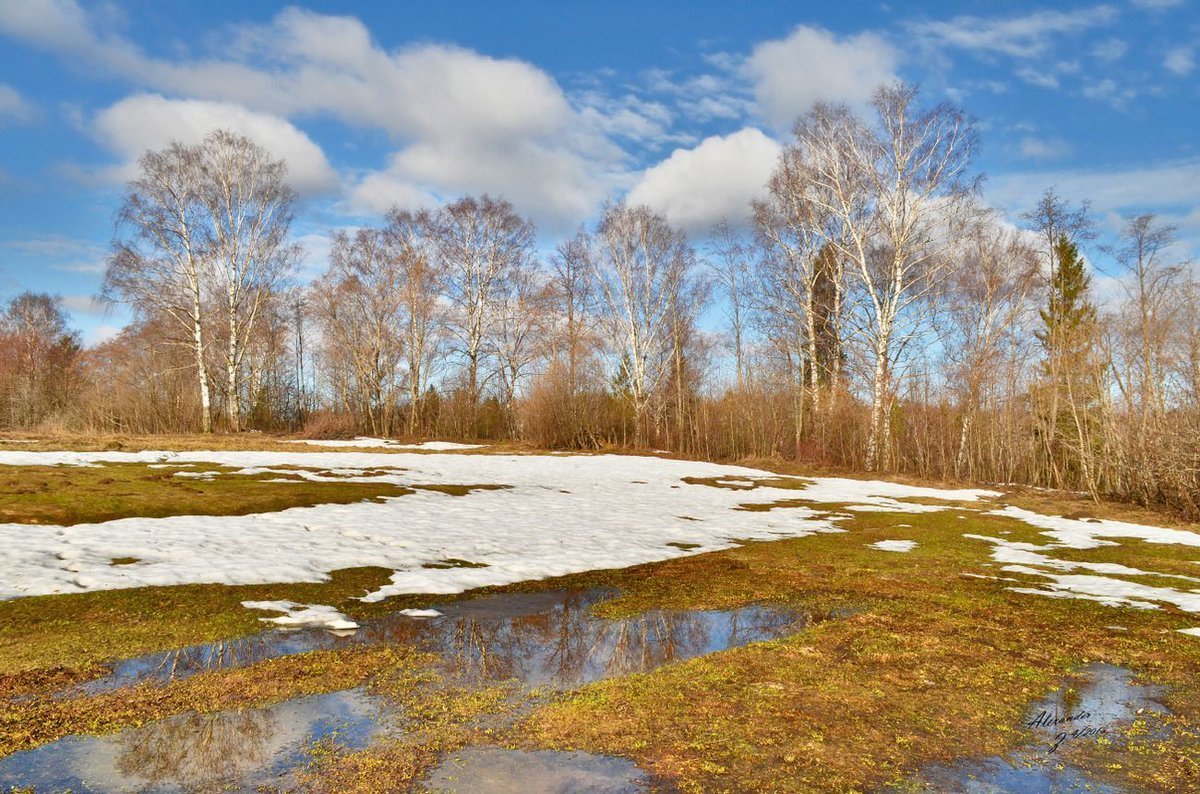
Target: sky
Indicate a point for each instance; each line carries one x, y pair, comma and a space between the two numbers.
561, 106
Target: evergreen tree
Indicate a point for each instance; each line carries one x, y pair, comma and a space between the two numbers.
1070, 392
1069, 319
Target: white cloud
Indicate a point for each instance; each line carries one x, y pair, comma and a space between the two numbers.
461, 121
62, 253
1110, 50
1107, 90
101, 334
717, 179
148, 121
1020, 37
1157, 5
84, 304
811, 65
1037, 77
1180, 61
13, 106
1171, 189
1044, 148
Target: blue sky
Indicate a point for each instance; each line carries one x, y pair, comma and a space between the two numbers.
559, 106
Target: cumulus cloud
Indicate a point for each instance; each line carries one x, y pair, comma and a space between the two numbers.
813, 64
148, 121
717, 179
461, 121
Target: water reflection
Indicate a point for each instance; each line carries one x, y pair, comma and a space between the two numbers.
1104, 699
548, 639
498, 771
224, 751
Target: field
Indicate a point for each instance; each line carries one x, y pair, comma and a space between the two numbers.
273, 615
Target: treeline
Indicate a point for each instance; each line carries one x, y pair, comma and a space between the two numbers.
876, 316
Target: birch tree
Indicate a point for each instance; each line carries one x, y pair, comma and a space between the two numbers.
359, 303
248, 209
421, 278
729, 262
480, 242
897, 189
158, 260
988, 311
641, 264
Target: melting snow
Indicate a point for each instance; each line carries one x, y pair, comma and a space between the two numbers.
547, 523
1079, 533
1194, 632
1021, 557
895, 545
420, 613
364, 441
303, 615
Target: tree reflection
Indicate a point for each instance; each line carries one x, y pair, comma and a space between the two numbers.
198, 752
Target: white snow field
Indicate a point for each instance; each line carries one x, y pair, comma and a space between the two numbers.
560, 514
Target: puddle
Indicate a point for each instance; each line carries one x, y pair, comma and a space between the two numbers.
1098, 704
1019, 776
492, 770
225, 751
548, 639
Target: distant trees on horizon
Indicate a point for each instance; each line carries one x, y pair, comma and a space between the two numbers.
878, 316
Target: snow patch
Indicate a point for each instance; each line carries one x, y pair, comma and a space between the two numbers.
420, 613
546, 523
895, 545
384, 443
1077, 533
298, 616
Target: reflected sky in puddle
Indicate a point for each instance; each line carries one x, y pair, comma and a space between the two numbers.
541, 639
498, 771
1103, 699
201, 752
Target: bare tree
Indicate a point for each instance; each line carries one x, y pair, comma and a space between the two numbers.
359, 303
1059, 227
574, 298
729, 261
158, 260
519, 333
248, 207
640, 265
896, 191
422, 278
39, 359
988, 308
1148, 315
480, 242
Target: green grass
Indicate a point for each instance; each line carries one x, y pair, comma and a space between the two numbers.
66, 495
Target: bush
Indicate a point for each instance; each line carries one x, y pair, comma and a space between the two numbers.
329, 425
